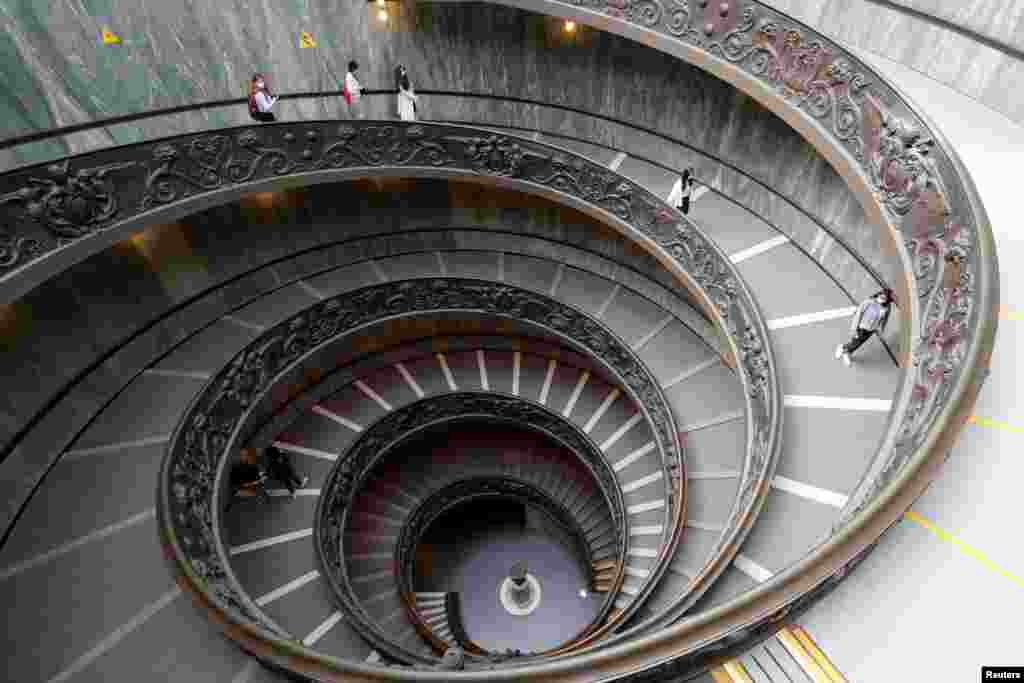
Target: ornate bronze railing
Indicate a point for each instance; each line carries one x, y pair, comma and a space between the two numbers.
216, 168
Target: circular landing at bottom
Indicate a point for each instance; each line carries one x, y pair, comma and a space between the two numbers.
517, 608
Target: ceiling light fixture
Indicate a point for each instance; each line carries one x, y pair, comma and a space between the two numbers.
382, 15
570, 26
380, 3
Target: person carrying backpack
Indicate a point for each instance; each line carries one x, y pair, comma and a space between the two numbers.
406, 97
260, 100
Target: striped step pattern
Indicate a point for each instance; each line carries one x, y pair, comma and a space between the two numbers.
433, 610
676, 355
790, 656
702, 392
828, 409
587, 399
833, 416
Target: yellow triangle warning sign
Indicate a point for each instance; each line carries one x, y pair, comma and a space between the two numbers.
107, 37
306, 40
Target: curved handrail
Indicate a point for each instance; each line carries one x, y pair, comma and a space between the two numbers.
373, 148
63, 131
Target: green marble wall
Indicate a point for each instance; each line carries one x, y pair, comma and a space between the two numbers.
176, 52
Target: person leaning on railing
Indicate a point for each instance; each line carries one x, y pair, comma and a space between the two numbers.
871, 318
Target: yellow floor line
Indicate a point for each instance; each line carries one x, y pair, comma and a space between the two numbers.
994, 424
815, 652
737, 672
802, 657
720, 675
1006, 314
962, 547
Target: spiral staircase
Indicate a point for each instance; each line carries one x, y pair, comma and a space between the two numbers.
696, 450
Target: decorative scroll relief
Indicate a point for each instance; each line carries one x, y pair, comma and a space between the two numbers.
67, 204
896, 153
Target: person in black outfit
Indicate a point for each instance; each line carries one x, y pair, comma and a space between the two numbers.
246, 476
687, 191
280, 467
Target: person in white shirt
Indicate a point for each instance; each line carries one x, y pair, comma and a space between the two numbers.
871, 318
353, 91
260, 99
406, 97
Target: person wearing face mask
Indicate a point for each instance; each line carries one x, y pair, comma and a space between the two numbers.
406, 97
260, 100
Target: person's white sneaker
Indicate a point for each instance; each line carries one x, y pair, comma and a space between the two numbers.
847, 361
839, 352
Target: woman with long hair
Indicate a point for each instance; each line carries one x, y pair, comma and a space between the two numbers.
260, 99
406, 97
352, 91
